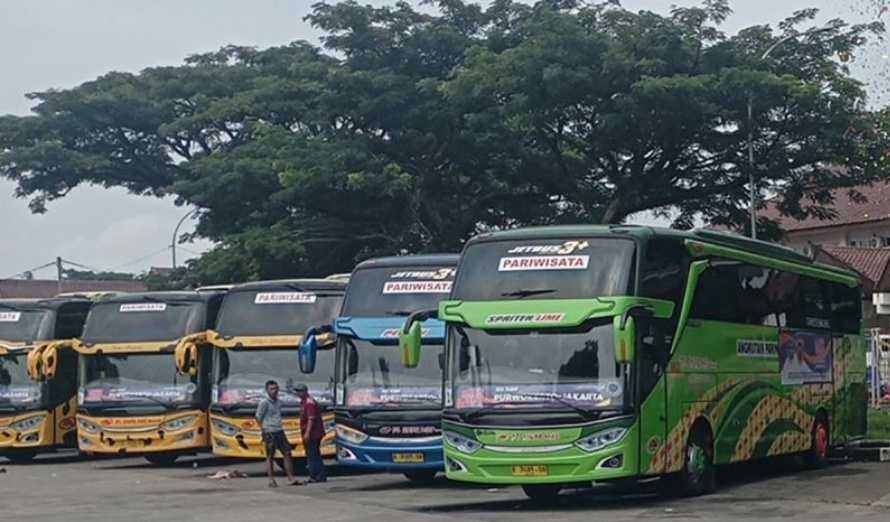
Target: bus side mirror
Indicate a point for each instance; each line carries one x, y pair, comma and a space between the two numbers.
411, 337
307, 351
50, 359
186, 357
35, 363
626, 329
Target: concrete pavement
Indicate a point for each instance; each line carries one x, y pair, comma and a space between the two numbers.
129, 490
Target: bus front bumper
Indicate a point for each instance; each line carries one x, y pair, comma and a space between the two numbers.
562, 462
241, 437
392, 454
176, 432
26, 430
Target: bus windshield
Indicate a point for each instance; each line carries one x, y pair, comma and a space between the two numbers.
134, 377
375, 292
255, 313
550, 368
545, 269
143, 321
372, 374
240, 375
24, 324
16, 386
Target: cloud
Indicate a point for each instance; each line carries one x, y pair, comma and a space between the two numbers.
93, 226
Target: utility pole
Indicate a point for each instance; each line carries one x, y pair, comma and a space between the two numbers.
59, 271
751, 165
175, 233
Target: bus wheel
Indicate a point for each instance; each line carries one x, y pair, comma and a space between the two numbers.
420, 476
699, 475
817, 456
161, 459
542, 493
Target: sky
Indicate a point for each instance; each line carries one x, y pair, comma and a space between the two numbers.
60, 44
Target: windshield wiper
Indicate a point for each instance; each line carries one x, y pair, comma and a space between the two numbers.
403, 313
16, 408
167, 406
584, 413
524, 292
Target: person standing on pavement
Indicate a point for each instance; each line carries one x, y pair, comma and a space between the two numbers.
312, 430
268, 415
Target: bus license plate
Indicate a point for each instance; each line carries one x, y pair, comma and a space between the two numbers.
529, 471
407, 457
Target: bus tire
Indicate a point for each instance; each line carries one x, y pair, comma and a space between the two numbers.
817, 456
161, 459
542, 493
699, 473
420, 476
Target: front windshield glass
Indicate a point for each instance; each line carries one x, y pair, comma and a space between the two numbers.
374, 292
143, 321
545, 269
25, 324
372, 374
240, 375
553, 368
134, 377
254, 313
16, 387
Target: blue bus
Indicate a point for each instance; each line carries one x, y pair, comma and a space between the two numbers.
387, 416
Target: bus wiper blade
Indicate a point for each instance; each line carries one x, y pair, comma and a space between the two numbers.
167, 406
524, 292
584, 413
477, 413
403, 313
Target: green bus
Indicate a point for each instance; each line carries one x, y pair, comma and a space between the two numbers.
579, 354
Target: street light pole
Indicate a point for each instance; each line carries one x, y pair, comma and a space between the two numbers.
751, 180
176, 233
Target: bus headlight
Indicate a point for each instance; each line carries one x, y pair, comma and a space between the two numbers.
179, 423
329, 426
27, 423
461, 443
353, 436
88, 426
601, 439
224, 427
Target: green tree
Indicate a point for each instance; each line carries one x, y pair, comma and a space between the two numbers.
409, 132
87, 275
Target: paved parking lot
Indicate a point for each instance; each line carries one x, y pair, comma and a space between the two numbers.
64, 488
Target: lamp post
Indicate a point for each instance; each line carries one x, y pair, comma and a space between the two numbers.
176, 233
751, 180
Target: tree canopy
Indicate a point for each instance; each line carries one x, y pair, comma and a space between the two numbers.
406, 131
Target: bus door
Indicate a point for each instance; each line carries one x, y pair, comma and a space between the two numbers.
652, 353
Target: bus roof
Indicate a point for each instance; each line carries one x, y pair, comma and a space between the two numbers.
410, 260
164, 296
291, 284
50, 303
704, 235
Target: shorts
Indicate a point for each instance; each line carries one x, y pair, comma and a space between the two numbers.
273, 440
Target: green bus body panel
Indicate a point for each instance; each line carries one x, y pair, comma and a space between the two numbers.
564, 463
532, 313
726, 375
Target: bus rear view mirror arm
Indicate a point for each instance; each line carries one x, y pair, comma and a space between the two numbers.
636, 310
308, 347
411, 336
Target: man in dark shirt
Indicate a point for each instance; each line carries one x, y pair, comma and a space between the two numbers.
312, 429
